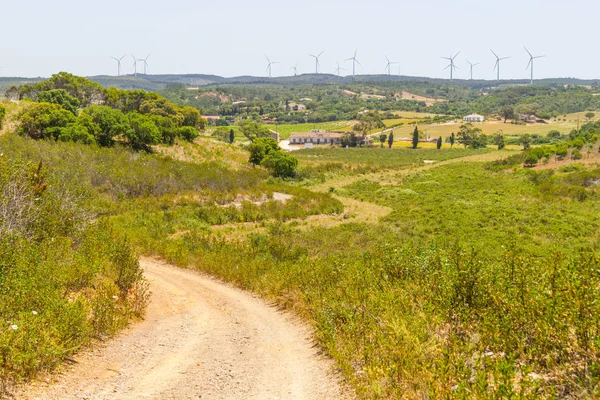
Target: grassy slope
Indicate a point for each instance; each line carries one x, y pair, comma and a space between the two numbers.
404, 306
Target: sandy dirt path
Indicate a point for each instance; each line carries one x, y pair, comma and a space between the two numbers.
201, 339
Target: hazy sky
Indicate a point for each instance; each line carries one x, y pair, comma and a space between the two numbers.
230, 38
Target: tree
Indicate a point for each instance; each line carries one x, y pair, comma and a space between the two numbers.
452, 140
76, 132
280, 164
499, 140
84, 90
507, 112
415, 139
382, 139
525, 140
60, 97
590, 115
112, 123
439, 143
391, 139
553, 134
576, 154
531, 160
253, 130
369, 121
260, 148
143, 132
192, 117
468, 136
44, 120
231, 136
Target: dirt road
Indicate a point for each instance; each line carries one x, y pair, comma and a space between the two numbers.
201, 339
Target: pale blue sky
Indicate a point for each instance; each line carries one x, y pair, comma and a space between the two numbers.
230, 38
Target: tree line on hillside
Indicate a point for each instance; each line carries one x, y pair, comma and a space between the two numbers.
70, 108
336, 102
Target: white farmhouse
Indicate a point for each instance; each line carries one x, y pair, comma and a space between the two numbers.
474, 118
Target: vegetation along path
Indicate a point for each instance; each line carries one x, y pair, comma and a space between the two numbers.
200, 339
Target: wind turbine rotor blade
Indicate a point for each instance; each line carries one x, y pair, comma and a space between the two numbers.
355, 51
494, 53
321, 53
528, 52
447, 67
456, 55
358, 62
529, 63
539, 57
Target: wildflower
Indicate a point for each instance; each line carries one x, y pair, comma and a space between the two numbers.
34, 312
14, 327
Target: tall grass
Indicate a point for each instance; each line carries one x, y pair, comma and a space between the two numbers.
65, 277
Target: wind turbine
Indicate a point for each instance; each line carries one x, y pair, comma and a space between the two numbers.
497, 65
118, 60
354, 62
134, 65
317, 61
389, 65
451, 65
145, 61
270, 64
295, 68
338, 69
530, 64
472, 65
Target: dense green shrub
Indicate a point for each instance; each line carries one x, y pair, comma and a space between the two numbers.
2, 115
44, 120
280, 164
60, 97
63, 279
261, 147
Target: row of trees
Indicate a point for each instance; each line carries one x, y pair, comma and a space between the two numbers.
71, 108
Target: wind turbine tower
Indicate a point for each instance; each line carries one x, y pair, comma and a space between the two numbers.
338, 69
497, 65
451, 65
295, 68
270, 64
472, 65
134, 65
317, 61
530, 64
145, 62
118, 60
354, 62
389, 64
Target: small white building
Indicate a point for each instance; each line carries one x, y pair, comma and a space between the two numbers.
474, 118
317, 137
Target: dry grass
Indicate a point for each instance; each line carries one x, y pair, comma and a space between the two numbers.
206, 149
